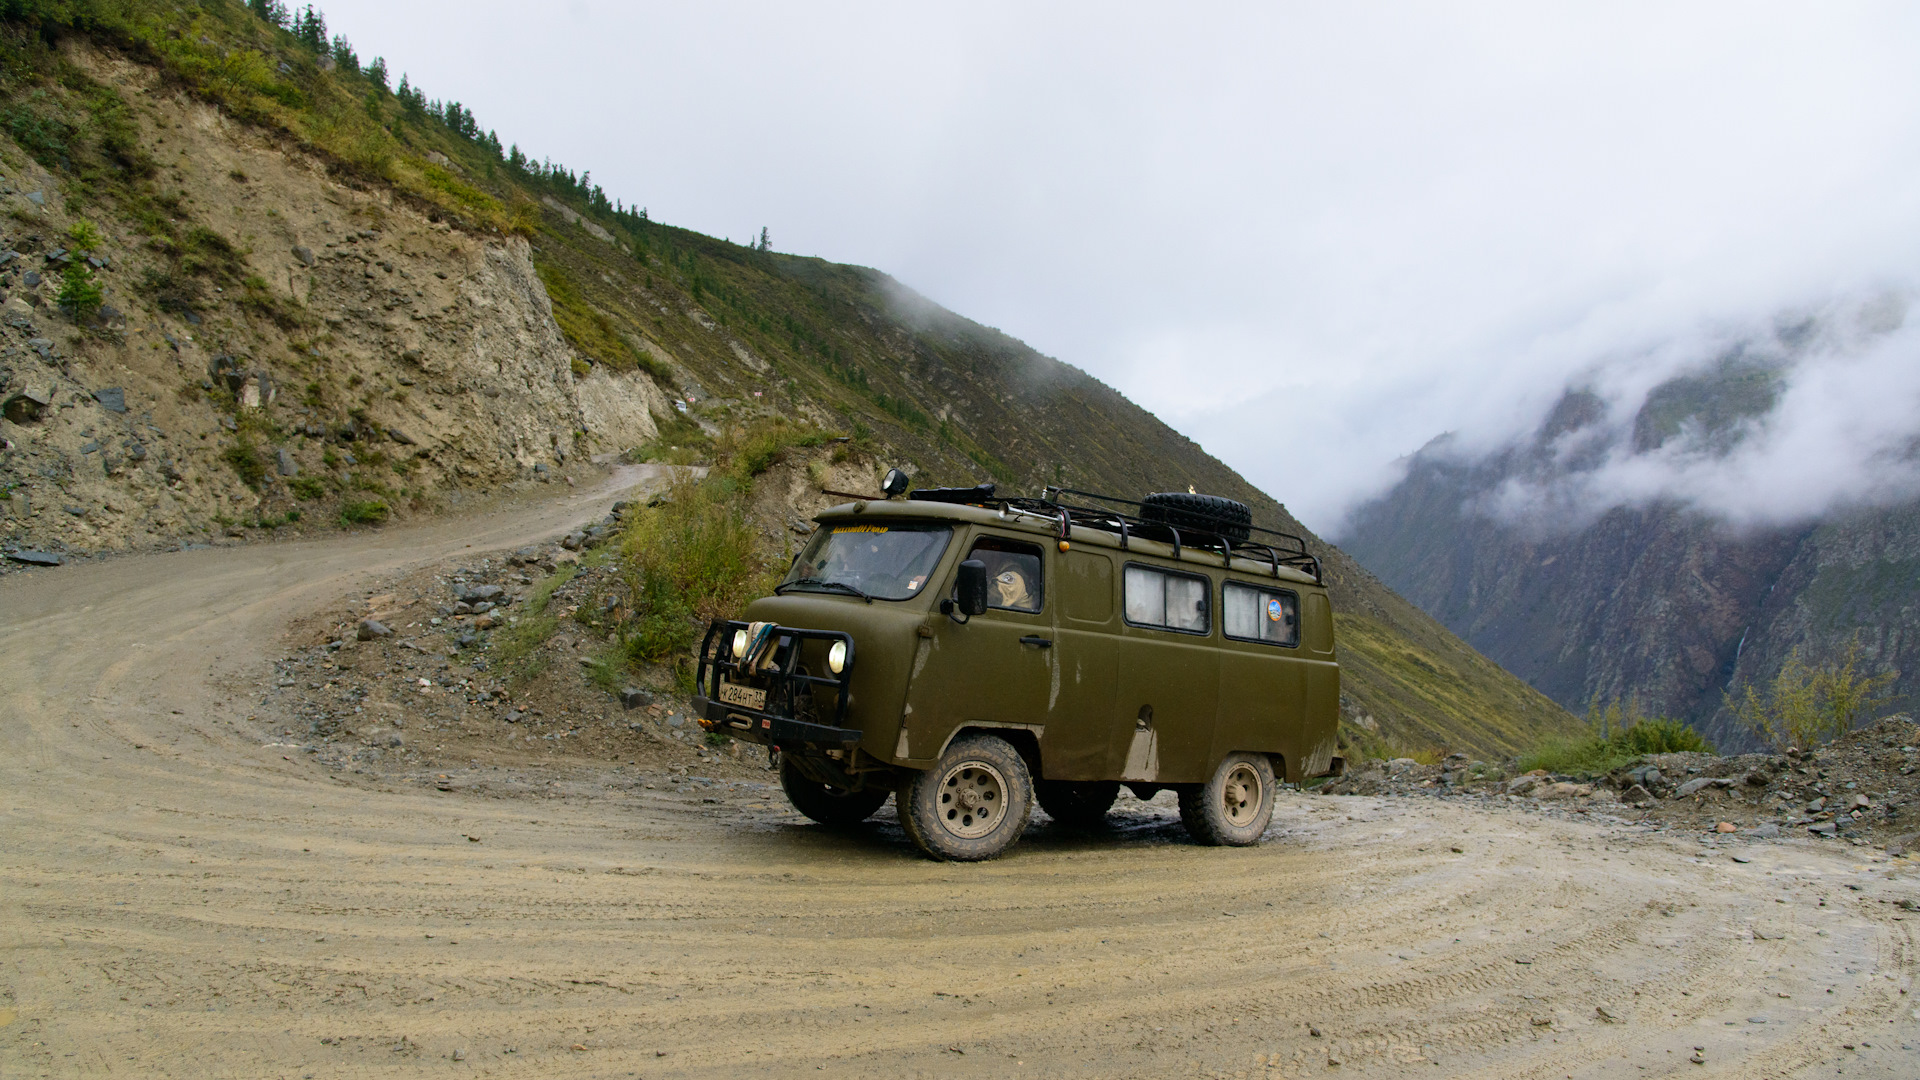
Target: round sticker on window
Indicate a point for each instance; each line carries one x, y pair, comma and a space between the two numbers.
1275, 611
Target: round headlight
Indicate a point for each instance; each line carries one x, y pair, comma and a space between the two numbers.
739, 644
837, 657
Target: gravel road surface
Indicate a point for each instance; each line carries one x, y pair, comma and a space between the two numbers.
181, 897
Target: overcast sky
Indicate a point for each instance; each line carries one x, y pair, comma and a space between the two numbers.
1310, 236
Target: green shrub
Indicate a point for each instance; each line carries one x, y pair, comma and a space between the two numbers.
84, 235
1806, 705
307, 487
245, 460
692, 559
1616, 735
755, 453
364, 512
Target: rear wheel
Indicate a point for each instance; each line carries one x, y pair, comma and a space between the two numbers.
1235, 806
825, 803
1080, 804
973, 804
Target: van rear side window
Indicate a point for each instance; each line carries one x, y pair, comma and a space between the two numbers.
1166, 601
1269, 616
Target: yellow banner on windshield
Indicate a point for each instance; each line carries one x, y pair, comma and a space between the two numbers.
860, 528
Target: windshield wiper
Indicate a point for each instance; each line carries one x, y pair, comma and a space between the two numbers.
823, 583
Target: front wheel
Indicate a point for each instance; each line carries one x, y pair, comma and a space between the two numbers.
825, 803
973, 804
1235, 806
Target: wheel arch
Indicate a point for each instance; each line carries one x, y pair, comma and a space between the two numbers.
1024, 738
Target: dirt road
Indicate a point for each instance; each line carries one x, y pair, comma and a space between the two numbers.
178, 898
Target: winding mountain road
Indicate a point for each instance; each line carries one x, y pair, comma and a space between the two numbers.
180, 898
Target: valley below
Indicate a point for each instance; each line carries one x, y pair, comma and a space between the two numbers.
196, 885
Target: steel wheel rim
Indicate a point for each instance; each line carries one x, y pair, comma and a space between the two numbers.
973, 800
1240, 795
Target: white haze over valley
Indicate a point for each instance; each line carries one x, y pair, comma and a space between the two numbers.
1312, 237
1841, 434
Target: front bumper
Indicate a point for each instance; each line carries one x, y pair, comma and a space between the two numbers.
760, 727
757, 725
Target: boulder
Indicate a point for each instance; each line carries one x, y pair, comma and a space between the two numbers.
305, 255
285, 462
1701, 783
36, 558
370, 629
28, 406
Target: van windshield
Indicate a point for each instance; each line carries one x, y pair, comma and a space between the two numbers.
885, 562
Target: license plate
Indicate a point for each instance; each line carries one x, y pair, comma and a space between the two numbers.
746, 697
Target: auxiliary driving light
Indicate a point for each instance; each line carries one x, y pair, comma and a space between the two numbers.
837, 657
739, 644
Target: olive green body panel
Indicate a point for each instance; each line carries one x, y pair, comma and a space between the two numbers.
975, 674
1103, 698
884, 637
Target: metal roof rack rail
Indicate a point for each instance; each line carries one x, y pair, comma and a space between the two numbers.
1270, 546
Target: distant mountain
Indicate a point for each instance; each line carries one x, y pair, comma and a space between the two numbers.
1647, 599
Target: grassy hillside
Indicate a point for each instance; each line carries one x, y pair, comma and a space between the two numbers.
738, 333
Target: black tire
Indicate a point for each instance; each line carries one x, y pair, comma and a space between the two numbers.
825, 803
1078, 804
1233, 808
1207, 513
973, 804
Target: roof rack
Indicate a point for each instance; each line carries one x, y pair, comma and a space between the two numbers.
1276, 549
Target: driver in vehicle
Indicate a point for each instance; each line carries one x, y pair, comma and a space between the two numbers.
1011, 591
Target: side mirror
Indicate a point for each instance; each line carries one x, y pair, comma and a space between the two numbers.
895, 484
972, 588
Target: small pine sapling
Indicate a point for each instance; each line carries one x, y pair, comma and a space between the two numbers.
80, 295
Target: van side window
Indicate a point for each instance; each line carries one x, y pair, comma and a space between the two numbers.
1166, 600
1013, 573
1248, 613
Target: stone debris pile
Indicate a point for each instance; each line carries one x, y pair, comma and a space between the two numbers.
1864, 787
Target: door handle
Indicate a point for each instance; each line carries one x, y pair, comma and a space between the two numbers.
1031, 639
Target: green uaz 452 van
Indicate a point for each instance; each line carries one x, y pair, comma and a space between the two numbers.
970, 654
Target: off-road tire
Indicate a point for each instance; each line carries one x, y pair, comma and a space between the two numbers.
1234, 807
1077, 804
1230, 518
973, 804
824, 803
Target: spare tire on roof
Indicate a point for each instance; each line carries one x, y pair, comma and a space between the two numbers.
1202, 513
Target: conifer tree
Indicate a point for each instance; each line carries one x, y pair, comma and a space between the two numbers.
272, 11
311, 28
343, 54
377, 71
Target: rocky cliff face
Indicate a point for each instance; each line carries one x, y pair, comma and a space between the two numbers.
1655, 602
356, 349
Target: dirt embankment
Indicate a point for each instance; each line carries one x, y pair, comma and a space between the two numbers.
349, 344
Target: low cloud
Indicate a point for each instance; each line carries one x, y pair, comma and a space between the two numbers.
1842, 429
